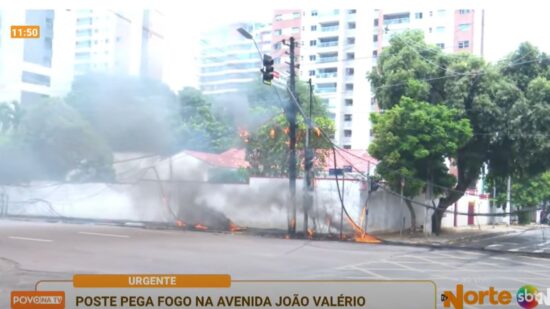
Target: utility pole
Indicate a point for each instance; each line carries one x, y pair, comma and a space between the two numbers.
291, 115
308, 164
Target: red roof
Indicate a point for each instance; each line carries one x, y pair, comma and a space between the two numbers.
358, 159
232, 158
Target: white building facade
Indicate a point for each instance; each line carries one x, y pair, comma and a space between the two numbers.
340, 47
228, 61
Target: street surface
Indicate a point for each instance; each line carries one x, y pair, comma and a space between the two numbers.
31, 251
533, 240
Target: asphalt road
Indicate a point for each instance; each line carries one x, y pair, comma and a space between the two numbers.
30, 251
534, 240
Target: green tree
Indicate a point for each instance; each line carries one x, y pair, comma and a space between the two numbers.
198, 128
410, 67
413, 139
52, 140
132, 114
267, 143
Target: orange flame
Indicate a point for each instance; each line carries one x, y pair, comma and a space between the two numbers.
201, 227
310, 233
272, 133
287, 130
361, 235
235, 228
244, 135
317, 131
287, 237
180, 223
293, 223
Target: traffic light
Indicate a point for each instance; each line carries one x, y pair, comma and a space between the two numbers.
267, 71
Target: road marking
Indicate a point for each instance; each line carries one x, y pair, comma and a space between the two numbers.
104, 234
31, 239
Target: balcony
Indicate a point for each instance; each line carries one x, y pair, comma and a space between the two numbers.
328, 44
326, 90
327, 59
326, 74
396, 21
329, 28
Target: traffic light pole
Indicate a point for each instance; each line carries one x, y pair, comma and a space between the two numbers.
292, 145
308, 164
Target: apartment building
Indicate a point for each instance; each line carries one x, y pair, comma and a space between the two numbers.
129, 42
334, 54
340, 47
285, 24
26, 64
228, 61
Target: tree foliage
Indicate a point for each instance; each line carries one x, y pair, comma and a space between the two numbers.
198, 128
413, 139
267, 144
121, 107
505, 104
51, 140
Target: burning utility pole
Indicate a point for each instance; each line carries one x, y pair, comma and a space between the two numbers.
291, 116
308, 163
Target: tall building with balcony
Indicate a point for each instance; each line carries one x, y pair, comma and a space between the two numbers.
340, 47
333, 55
26, 64
286, 24
128, 42
228, 61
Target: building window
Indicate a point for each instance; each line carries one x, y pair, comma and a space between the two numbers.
351, 41
347, 133
440, 45
278, 32
296, 15
277, 61
349, 102
463, 44
48, 43
312, 73
314, 28
375, 38
350, 71
351, 25
347, 117
418, 15
85, 32
312, 58
277, 46
464, 27
373, 101
350, 56
440, 29
295, 29
374, 53
33, 78
352, 11
347, 146
314, 13
441, 13
312, 42
349, 86
278, 17
430, 30
463, 12
376, 22
431, 13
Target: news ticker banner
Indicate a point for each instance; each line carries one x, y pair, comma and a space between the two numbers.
221, 291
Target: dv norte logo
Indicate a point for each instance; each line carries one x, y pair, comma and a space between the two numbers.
529, 297
491, 296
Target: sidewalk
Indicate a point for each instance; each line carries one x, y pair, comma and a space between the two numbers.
469, 237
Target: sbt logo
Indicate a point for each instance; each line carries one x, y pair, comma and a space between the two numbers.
529, 297
491, 296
